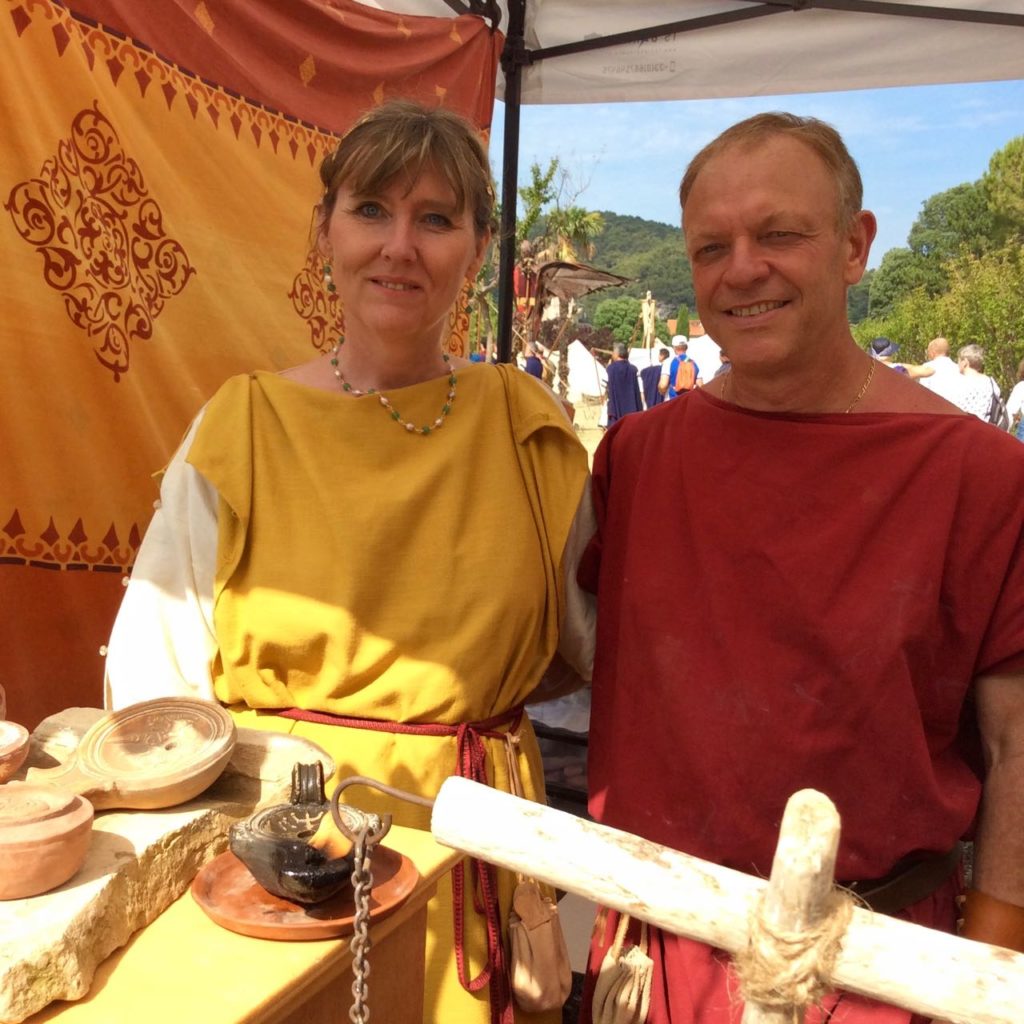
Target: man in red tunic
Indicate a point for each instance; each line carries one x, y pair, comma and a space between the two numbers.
849, 546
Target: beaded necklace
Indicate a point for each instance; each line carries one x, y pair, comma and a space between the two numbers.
386, 402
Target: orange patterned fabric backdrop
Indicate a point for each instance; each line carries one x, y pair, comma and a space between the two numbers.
158, 179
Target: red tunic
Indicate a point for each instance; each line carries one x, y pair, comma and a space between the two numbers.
791, 601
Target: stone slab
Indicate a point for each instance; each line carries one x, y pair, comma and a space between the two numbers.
138, 863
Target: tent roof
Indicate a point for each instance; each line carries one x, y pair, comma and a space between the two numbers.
724, 48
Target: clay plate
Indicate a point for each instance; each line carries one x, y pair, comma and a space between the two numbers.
157, 753
232, 898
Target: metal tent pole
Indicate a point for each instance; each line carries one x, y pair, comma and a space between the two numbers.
513, 57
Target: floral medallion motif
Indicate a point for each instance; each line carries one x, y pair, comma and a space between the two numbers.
317, 305
101, 236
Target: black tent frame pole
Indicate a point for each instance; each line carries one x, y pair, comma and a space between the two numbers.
513, 57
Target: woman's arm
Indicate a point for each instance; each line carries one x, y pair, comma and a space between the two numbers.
163, 638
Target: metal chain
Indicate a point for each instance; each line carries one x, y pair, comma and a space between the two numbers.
370, 831
362, 884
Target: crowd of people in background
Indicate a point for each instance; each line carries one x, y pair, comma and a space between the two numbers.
669, 373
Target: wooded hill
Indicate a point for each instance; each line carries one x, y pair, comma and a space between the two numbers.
648, 251
654, 254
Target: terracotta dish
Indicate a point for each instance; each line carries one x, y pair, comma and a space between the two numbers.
229, 895
154, 754
14, 744
44, 837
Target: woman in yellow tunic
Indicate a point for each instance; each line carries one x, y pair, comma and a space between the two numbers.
384, 536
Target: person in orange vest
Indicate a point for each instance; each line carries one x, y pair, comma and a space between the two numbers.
681, 374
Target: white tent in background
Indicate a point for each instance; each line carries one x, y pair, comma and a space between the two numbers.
588, 379
706, 354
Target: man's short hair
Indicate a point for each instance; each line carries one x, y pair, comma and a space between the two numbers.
663, 354
621, 349
973, 356
819, 136
937, 347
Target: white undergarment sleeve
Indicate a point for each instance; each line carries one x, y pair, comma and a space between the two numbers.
163, 641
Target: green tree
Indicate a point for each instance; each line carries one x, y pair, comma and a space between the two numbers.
683, 320
914, 320
986, 303
621, 316
901, 272
857, 296
950, 220
1003, 187
538, 193
573, 231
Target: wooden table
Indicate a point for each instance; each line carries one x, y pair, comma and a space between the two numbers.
186, 969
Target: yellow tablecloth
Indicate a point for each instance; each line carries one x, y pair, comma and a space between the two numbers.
185, 968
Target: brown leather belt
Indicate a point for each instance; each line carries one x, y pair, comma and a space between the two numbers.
907, 883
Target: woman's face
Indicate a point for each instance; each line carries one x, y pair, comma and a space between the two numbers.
399, 258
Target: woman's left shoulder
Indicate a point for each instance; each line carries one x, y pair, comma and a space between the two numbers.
532, 404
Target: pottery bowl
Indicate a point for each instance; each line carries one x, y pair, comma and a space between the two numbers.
273, 845
44, 838
14, 744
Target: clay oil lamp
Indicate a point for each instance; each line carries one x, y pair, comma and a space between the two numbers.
157, 753
44, 838
291, 849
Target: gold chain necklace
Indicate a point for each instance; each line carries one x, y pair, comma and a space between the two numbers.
428, 428
860, 394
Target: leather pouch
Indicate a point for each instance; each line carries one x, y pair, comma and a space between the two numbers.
539, 961
622, 992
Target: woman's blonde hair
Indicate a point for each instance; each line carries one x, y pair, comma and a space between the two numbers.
821, 137
401, 139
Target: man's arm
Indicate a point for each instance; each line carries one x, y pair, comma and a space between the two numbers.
915, 372
995, 906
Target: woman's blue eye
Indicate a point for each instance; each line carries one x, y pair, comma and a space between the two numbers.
369, 210
438, 220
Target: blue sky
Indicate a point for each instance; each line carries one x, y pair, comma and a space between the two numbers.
909, 143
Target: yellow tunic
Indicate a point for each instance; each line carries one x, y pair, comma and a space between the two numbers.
367, 572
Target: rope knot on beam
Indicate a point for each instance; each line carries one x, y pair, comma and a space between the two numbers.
791, 968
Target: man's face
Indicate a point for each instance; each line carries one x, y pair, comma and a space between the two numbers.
770, 265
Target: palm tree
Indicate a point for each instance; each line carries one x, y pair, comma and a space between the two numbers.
573, 230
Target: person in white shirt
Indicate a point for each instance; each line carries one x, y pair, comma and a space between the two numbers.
979, 388
939, 373
1015, 405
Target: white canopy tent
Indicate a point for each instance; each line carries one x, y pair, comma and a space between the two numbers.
583, 51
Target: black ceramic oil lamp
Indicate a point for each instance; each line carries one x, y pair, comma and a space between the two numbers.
274, 843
